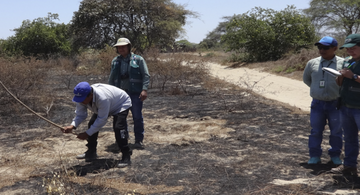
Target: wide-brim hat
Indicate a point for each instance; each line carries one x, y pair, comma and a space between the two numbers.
122, 41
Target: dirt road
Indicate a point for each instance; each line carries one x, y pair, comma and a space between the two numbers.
282, 89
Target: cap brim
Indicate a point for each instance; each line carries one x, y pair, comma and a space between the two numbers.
322, 43
120, 44
348, 45
79, 99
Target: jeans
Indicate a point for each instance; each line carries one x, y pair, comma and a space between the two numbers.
120, 130
136, 109
322, 111
350, 118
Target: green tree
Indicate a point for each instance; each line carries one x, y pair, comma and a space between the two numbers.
339, 16
40, 37
213, 38
145, 23
185, 46
265, 34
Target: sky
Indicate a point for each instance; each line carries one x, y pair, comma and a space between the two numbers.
210, 12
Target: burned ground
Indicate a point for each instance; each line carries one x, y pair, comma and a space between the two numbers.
224, 141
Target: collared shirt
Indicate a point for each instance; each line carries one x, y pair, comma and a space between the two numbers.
313, 74
107, 101
124, 69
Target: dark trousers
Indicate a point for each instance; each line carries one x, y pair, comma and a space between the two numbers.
120, 130
136, 111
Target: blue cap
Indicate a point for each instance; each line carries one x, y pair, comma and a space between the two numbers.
327, 41
81, 91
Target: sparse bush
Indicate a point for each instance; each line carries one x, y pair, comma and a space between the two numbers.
236, 57
176, 71
24, 77
211, 54
297, 62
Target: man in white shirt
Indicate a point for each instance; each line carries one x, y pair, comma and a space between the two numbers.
104, 101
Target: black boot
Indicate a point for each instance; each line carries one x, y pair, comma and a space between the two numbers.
88, 155
125, 159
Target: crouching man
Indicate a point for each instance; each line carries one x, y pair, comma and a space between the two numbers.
104, 101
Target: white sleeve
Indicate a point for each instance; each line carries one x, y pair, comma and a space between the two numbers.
81, 114
102, 115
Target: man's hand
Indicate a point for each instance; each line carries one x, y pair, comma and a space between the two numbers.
67, 129
82, 136
347, 73
143, 95
339, 80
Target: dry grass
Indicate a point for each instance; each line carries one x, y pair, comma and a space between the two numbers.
175, 72
203, 136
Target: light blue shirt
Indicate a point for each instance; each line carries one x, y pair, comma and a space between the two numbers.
107, 100
313, 74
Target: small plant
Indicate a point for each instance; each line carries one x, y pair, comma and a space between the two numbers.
210, 55
279, 69
54, 184
236, 58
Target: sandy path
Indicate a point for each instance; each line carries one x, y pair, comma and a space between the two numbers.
283, 89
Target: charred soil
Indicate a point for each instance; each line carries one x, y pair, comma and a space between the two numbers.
203, 142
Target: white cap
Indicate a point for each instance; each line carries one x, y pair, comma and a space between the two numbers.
122, 41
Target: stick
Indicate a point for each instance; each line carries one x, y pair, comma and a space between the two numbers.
56, 125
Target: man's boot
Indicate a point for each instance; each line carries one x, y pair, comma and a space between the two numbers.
125, 159
88, 156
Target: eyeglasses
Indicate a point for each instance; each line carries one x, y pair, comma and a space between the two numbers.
320, 47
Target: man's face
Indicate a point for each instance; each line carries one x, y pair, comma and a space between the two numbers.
123, 50
88, 99
326, 52
354, 52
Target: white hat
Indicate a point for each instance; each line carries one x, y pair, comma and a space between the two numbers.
122, 41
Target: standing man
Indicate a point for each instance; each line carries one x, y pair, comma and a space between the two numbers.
104, 101
130, 73
324, 91
350, 104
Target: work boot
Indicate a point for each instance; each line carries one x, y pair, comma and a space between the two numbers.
125, 160
345, 170
314, 160
336, 160
88, 156
138, 145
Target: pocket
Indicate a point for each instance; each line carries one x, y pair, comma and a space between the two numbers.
135, 71
354, 89
314, 103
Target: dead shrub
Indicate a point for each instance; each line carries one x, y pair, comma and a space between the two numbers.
24, 77
105, 58
65, 69
297, 62
93, 62
175, 72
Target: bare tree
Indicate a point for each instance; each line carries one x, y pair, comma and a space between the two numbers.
145, 22
338, 16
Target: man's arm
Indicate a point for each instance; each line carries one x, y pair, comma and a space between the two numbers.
102, 115
145, 79
81, 114
307, 74
144, 73
339, 80
113, 73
